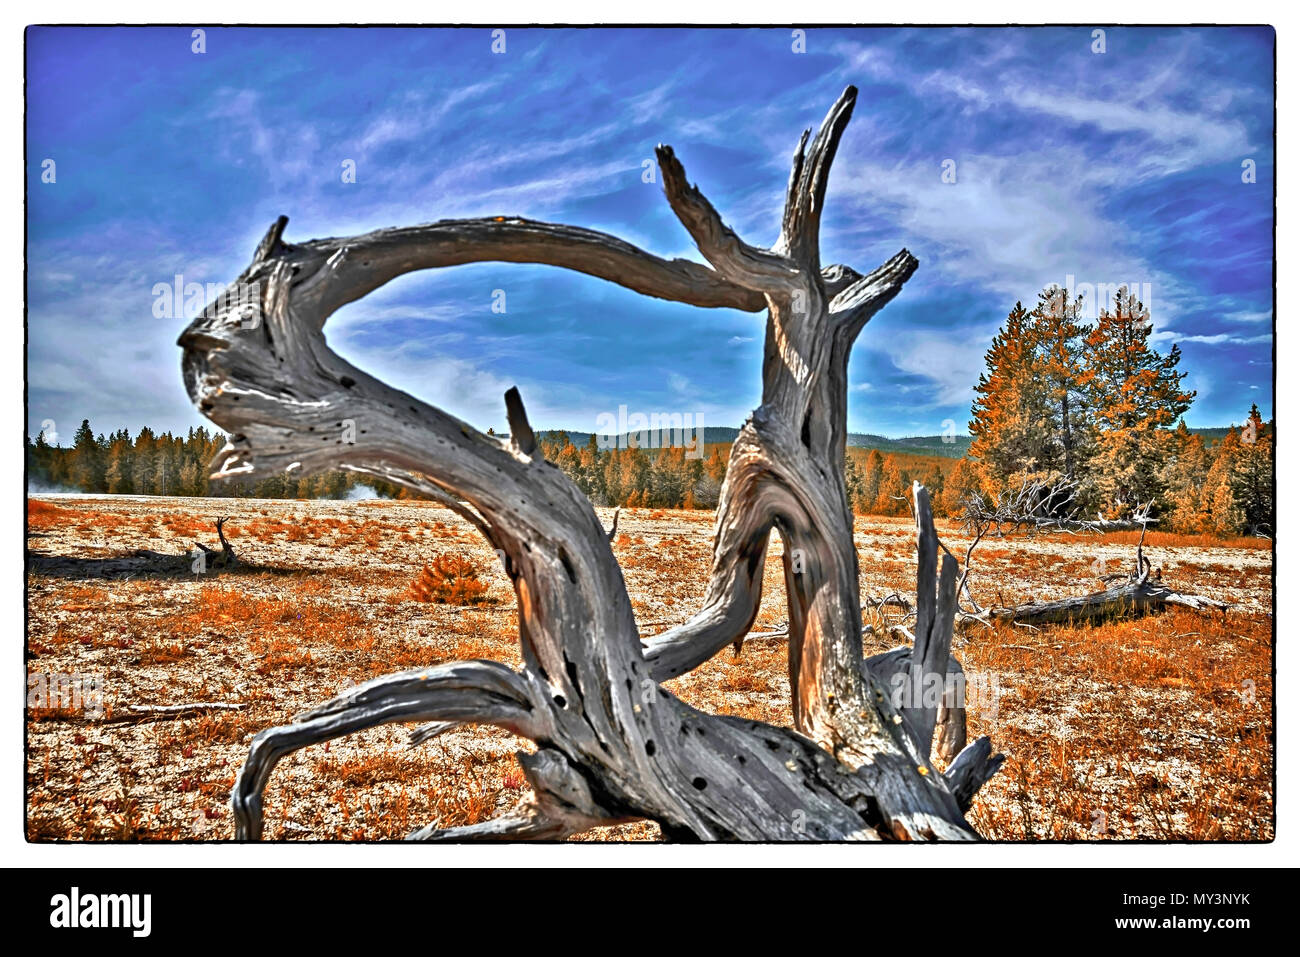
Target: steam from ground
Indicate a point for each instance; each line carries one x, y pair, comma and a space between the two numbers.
44, 488
362, 493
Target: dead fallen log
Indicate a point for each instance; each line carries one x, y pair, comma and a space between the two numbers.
140, 713
1131, 599
1034, 506
188, 706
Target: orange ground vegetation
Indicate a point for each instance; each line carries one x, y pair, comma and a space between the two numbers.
1154, 729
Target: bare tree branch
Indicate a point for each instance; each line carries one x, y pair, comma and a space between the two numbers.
613, 744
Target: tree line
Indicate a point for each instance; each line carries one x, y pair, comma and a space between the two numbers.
166, 464
1060, 399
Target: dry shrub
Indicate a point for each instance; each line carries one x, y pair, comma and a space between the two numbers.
43, 515
1174, 540
746, 681
366, 770
450, 580
158, 651
278, 653
35, 508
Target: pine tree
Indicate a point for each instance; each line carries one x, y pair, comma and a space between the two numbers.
1057, 350
143, 465
668, 477
853, 485
593, 472
189, 478
1012, 414
1184, 477
39, 457
873, 472
87, 470
933, 481
895, 486
1251, 475
569, 460
117, 475
634, 477
1223, 516
1136, 395
967, 478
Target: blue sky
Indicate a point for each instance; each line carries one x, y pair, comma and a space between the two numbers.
1122, 166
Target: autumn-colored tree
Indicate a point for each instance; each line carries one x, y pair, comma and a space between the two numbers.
894, 483
873, 473
1250, 474
708, 486
1010, 417
1030, 419
1057, 339
117, 472
569, 459
967, 478
142, 464
1184, 477
933, 480
590, 469
1136, 396
693, 469
1222, 514
715, 467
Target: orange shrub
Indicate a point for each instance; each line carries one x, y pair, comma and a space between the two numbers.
450, 580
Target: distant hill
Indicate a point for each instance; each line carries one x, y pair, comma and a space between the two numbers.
953, 447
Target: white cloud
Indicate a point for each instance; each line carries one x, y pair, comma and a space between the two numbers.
949, 362
1265, 315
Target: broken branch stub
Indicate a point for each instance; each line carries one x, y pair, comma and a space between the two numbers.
612, 743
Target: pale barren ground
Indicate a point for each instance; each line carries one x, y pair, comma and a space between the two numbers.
1153, 729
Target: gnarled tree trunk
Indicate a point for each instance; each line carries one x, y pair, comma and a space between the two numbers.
612, 744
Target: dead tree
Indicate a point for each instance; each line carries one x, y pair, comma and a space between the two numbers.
1038, 506
612, 743
225, 558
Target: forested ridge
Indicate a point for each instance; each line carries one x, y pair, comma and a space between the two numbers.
1060, 400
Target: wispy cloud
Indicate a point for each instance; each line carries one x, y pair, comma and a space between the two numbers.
1122, 167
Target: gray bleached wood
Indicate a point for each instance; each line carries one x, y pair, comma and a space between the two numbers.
612, 744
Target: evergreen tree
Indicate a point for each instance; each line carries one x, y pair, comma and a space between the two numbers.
1251, 475
1057, 340
1184, 478
117, 474
967, 479
87, 469
1136, 396
873, 473
1011, 417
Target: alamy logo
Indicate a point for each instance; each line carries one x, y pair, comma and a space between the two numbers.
102, 910
655, 431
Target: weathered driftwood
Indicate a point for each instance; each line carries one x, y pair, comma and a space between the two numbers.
612, 743
225, 558
1133, 598
1038, 506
